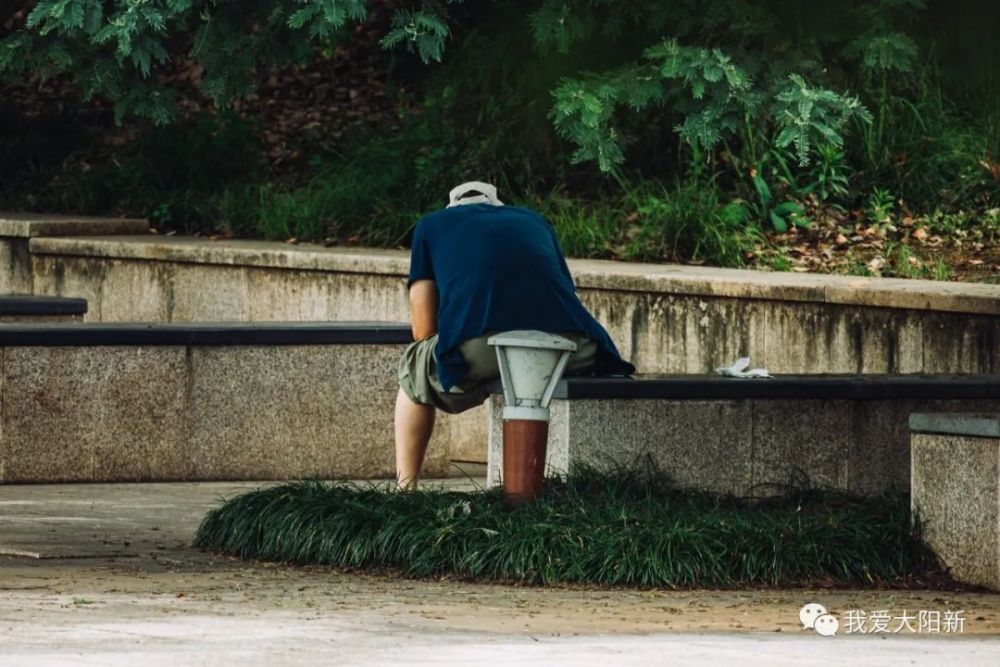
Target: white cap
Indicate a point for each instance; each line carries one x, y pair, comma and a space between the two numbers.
488, 196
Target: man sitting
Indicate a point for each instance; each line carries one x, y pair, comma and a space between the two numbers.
478, 267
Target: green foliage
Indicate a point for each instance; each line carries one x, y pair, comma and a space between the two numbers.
113, 48
586, 229
620, 529
721, 91
717, 120
827, 178
880, 205
421, 31
807, 117
767, 209
735, 95
690, 222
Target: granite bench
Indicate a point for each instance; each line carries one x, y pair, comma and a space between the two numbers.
221, 401
955, 491
27, 308
750, 436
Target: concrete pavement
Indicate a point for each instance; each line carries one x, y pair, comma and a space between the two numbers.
105, 576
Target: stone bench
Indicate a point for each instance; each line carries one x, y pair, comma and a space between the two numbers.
955, 491
749, 437
26, 308
131, 402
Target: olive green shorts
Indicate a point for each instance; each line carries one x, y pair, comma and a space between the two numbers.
418, 376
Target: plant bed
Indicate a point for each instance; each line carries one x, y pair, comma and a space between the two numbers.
619, 530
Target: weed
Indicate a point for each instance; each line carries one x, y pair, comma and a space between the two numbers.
689, 221
880, 206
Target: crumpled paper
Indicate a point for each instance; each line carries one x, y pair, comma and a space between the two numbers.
739, 370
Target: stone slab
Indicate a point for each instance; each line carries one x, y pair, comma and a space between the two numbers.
176, 412
955, 492
296, 412
805, 387
92, 413
986, 425
744, 447
800, 444
30, 225
206, 334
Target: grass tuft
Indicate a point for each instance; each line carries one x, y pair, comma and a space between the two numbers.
623, 529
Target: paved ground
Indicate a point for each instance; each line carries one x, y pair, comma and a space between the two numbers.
103, 575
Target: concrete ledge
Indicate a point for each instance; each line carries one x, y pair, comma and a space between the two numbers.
230, 252
30, 225
664, 319
982, 426
589, 274
210, 334
833, 387
16, 229
743, 443
955, 492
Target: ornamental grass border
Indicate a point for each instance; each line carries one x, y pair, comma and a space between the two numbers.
619, 529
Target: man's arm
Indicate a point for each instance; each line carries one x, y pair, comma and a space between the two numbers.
423, 308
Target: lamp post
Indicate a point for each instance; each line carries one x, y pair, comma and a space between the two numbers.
531, 364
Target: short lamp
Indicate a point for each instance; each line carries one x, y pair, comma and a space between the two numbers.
531, 365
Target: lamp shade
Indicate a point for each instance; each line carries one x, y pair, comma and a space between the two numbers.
531, 364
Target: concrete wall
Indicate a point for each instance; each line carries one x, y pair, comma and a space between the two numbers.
743, 447
665, 319
16, 229
123, 413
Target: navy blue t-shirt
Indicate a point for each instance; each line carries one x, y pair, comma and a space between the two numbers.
499, 268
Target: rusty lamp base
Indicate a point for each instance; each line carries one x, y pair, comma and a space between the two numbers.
524, 443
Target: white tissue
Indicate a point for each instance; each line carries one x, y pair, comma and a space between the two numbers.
739, 370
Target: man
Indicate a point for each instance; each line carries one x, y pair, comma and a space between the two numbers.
478, 267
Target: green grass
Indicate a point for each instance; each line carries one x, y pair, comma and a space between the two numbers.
623, 529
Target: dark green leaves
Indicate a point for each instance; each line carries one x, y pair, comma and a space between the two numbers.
621, 529
422, 31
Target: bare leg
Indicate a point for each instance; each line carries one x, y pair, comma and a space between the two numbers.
414, 424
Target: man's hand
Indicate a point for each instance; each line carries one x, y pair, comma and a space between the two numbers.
423, 308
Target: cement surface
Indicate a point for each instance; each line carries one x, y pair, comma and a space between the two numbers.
588, 273
955, 486
956, 423
26, 225
115, 583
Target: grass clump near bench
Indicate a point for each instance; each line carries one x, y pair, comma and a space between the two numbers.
619, 530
